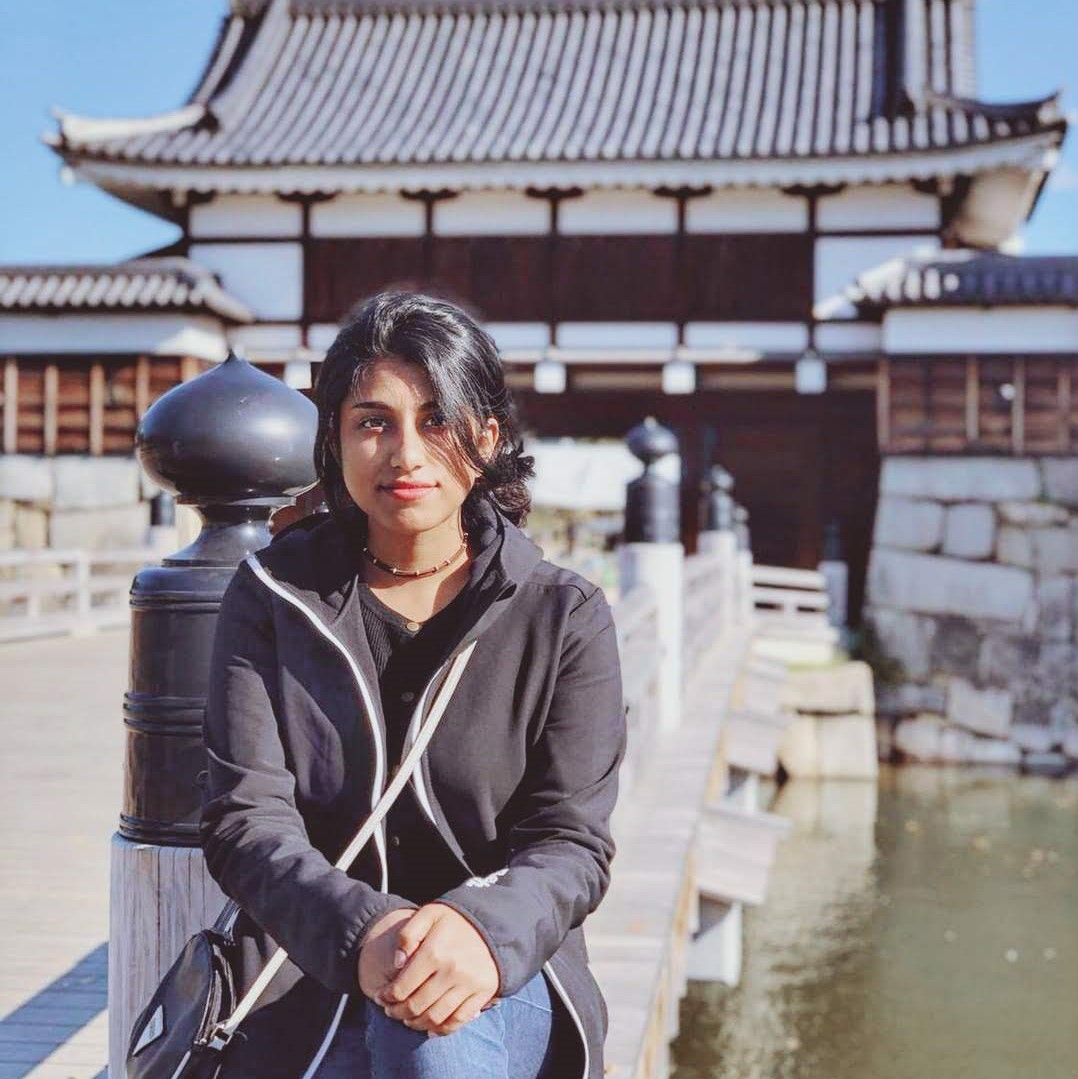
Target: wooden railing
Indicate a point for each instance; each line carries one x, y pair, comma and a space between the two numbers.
48, 592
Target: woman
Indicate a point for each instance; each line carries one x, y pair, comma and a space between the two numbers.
453, 947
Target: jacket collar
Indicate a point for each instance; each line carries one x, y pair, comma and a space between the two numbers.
317, 558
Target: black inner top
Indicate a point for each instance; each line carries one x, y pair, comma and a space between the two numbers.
405, 653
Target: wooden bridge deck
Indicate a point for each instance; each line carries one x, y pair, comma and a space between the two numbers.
60, 776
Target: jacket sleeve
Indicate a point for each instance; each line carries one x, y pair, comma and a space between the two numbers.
560, 845
254, 839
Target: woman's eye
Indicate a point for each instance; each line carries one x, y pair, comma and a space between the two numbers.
435, 419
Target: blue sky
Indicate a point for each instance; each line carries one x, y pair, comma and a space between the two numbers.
133, 57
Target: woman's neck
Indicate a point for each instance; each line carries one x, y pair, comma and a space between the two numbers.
418, 551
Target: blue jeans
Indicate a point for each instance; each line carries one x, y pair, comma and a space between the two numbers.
511, 1040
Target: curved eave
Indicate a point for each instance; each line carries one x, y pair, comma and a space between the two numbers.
150, 186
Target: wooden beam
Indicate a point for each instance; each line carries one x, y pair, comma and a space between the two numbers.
142, 386
51, 408
973, 402
1063, 398
1018, 407
883, 404
97, 409
11, 405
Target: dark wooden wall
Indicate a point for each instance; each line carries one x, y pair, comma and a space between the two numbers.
798, 461
979, 404
558, 278
82, 404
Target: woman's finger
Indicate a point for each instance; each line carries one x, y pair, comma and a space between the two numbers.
465, 1012
448, 1003
419, 1000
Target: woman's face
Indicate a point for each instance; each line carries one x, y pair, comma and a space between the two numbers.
400, 464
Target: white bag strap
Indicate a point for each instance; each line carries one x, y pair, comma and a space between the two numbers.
224, 1031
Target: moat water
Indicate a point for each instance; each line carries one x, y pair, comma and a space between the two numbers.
921, 927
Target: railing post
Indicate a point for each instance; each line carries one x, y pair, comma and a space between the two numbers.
718, 537
234, 443
653, 554
835, 574
744, 564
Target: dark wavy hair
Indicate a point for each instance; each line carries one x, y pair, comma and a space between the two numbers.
465, 370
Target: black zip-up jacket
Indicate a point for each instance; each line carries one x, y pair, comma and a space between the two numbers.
519, 780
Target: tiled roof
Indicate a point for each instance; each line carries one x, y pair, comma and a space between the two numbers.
969, 278
149, 284
410, 82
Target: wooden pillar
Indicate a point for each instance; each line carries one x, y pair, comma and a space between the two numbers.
1018, 408
883, 404
142, 386
11, 405
97, 409
973, 401
1063, 397
51, 408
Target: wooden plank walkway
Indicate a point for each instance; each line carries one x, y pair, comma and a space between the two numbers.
60, 786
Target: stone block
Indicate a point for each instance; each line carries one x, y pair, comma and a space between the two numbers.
1057, 669
798, 751
832, 691
31, 528
1014, 546
984, 711
96, 530
94, 482
846, 747
932, 584
1055, 550
918, 739
1070, 744
991, 751
1032, 514
956, 647
908, 523
1005, 658
962, 479
25, 479
7, 515
1055, 606
1034, 739
904, 637
1046, 764
969, 530
1061, 479
909, 699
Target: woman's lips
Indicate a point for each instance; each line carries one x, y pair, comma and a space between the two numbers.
407, 494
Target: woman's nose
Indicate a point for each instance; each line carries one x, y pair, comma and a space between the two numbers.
408, 451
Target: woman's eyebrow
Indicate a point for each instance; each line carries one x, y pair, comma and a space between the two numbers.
389, 408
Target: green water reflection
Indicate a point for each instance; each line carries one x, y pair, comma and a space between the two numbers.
922, 928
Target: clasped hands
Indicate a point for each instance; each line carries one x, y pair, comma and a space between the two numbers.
429, 968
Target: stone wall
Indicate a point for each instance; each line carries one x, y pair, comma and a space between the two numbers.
973, 597
73, 501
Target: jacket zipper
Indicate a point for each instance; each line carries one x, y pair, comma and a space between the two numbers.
379, 778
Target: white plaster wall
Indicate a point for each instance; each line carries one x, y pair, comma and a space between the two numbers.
246, 215
267, 277
158, 335
840, 260
321, 335
760, 336
368, 215
849, 337
511, 335
619, 211
1001, 329
877, 206
497, 213
256, 341
746, 210
616, 335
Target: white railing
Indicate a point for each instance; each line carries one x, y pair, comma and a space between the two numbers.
789, 592
50, 592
